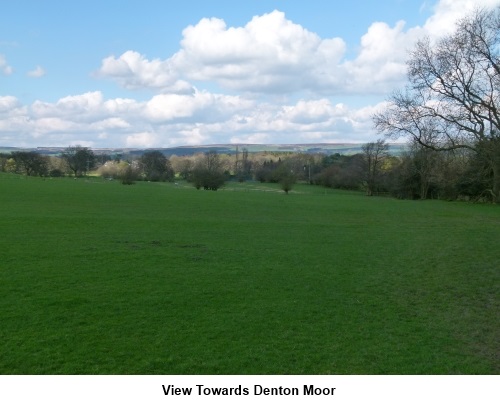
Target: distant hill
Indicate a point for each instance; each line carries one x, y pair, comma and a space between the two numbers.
321, 148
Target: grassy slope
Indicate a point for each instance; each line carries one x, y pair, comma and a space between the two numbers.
100, 278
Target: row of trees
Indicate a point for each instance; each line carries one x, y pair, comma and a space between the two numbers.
76, 160
418, 172
79, 161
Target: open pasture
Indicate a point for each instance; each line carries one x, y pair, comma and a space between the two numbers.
158, 278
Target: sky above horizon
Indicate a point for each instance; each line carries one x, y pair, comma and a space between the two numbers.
145, 74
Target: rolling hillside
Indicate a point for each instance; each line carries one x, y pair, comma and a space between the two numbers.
324, 148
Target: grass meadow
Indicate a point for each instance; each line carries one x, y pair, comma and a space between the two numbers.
158, 278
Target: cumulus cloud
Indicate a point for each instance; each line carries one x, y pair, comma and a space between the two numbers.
168, 120
8, 103
380, 65
13, 116
79, 107
269, 54
37, 72
447, 12
109, 124
200, 106
5, 69
273, 55
381, 62
133, 71
141, 140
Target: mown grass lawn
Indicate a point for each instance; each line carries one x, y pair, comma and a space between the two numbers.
156, 278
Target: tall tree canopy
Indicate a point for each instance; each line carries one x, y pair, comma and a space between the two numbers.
209, 172
156, 166
79, 159
452, 99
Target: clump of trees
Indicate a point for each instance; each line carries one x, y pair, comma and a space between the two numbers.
242, 166
30, 163
156, 167
113, 169
151, 166
208, 172
129, 175
285, 172
80, 160
452, 101
267, 172
340, 171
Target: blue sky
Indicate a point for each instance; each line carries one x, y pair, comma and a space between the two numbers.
160, 73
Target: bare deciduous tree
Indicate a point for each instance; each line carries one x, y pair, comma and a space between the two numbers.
452, 99
374, 154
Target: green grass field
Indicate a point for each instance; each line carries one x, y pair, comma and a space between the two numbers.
157, 278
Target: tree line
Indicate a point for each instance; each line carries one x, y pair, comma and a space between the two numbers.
79, 161
415, 173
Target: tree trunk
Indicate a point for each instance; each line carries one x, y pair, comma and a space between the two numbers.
424, 188
496, 180
369, 189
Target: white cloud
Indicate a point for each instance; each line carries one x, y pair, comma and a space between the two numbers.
269, 54
14, 116
171, 106
110, 123
5, 69
133, 71
312, 111
381, 62
78, 108
37, 72
168, 120
122, 107
141, 140
200, 106
53, 124
447, 12
8, 103
257, 138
